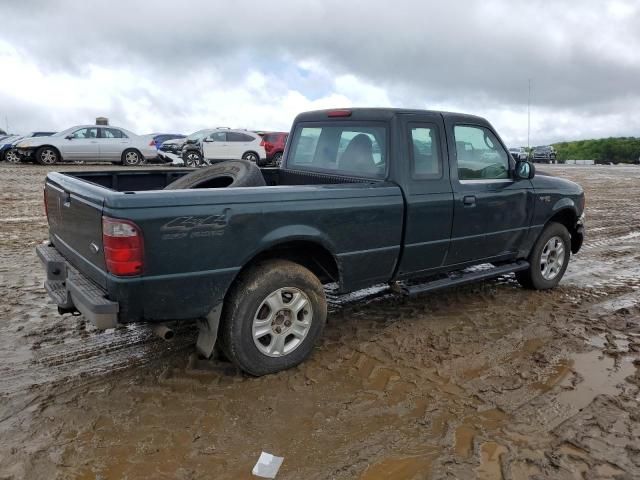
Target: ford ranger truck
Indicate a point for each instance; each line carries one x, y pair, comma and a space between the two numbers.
364, 197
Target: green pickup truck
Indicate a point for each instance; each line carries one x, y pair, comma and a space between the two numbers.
363, 197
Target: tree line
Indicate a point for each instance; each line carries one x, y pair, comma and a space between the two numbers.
603, 150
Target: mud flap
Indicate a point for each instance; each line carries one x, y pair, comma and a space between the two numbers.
208, 331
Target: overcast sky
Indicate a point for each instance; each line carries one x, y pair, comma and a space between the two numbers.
182, 66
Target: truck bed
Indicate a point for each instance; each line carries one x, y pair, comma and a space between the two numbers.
158, 179
196, 241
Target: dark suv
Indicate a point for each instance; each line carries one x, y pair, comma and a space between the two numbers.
545, 154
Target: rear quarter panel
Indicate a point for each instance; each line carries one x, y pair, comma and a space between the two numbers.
196, 241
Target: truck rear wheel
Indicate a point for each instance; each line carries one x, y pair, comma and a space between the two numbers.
273, 317
232, 173
548, 259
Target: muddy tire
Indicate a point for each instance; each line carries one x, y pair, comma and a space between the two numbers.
273, 317
47, 156
548, 259
232, 173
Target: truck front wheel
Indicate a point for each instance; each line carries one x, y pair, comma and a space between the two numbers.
548, 259
273, 317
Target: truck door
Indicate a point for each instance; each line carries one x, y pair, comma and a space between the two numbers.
491, 210
428, 194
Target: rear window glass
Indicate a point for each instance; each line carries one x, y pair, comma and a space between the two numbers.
272, 137
349, 148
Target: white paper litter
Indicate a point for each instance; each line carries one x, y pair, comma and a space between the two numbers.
267, 466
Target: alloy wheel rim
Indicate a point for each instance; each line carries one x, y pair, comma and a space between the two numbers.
552, 258
192, 160
132, 158
12, 157
48, 157
282, 322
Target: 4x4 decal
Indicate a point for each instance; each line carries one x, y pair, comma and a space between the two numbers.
195, 226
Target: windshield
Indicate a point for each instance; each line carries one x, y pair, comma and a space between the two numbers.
199, 135
66, 132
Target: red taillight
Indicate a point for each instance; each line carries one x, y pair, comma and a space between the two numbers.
152, 143
123, 247
262, 142
339, 113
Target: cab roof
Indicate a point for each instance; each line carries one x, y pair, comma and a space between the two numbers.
379, 114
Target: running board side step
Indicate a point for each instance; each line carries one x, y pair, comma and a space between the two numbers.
463, 277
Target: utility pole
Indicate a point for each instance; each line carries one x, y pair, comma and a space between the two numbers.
529, 118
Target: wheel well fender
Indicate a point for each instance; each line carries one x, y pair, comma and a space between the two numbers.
568, 217
301, 244
129, 150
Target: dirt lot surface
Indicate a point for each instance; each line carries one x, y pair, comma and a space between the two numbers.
487, 381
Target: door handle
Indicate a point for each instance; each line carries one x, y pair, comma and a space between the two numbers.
469, 201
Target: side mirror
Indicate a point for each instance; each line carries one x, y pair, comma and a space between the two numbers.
525, 170
69, 137
207, 139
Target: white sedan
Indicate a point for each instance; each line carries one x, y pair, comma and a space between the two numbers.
92, 143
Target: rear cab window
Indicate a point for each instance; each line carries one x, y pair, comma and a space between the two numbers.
426, 161
342, 148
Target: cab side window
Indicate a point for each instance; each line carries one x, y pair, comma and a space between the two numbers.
479, 154
112, 133
424, 152
85, 133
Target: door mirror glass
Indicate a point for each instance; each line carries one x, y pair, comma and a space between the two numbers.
525, 170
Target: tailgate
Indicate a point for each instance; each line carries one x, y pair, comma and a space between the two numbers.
75, 224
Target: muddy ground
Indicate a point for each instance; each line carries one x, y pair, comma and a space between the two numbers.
487, 381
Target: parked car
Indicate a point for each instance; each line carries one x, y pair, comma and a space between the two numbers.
227, 144
519, 153
273, 143
7, 153
11, 154
160, 138
171, 150
364, 196
192, 147
545, 154
94, 143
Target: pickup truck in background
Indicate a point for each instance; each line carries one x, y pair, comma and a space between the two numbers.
544, 154
363, 197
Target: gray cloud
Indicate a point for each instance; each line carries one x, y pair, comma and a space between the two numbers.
476, 56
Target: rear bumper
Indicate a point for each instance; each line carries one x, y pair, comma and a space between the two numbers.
72, 291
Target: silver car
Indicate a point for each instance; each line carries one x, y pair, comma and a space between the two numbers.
93, 143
